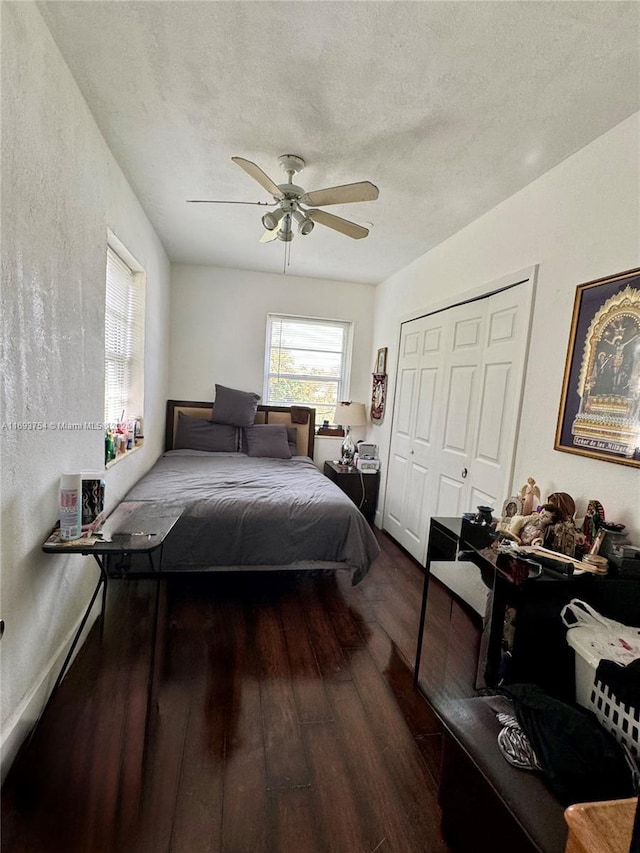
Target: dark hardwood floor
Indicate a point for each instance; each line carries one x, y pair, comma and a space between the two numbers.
270, 713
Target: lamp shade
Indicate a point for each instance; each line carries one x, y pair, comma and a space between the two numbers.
350, 414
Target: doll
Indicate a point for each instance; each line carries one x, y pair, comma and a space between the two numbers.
533, 532
530, 529
561, 536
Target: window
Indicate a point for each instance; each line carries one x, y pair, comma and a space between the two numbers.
124, 336
307, 363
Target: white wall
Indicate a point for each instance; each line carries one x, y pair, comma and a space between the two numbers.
579, 222
61, 190
218, 326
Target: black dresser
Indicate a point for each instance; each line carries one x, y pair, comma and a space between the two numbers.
489, 617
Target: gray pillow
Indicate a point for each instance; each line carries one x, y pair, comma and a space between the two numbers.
200, 434
292, 439
268, 440
234, 407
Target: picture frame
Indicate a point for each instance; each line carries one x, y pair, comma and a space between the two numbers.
381, 361
512, 506
599, 414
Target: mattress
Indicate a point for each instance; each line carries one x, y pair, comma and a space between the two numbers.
256, 513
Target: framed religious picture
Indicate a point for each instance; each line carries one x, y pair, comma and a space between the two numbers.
381, 361
512, 506
377, 396
600, 405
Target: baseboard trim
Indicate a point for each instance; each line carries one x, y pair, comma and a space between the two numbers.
28, 712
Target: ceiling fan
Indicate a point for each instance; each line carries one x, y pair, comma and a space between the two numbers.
293, 204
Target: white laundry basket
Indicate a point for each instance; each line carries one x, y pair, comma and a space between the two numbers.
594, 637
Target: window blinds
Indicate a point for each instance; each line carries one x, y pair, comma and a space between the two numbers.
307, 363
124, 340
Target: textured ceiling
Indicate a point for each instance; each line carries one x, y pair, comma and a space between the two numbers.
448, 107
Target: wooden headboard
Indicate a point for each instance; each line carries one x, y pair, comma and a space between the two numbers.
264, 415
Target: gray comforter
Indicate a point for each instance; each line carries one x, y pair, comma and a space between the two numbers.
256, 513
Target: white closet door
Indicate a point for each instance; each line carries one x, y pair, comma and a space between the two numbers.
500, 386
483, 379
458, 414
460, 376
410, 480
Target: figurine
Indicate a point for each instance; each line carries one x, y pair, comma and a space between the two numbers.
593, 519
530, 494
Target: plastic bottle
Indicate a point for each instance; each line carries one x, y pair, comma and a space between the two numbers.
70, 506
108, 447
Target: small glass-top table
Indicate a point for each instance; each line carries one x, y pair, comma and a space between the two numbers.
134, 529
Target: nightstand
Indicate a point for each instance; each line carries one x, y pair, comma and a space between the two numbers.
361, 488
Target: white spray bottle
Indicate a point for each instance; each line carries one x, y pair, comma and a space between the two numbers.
70, 506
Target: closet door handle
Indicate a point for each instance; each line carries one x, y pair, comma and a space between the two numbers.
464, 473
411, 452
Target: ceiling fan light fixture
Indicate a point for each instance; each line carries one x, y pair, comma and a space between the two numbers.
285, 233
271, 219
305, 225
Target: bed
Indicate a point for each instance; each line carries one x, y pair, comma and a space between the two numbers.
247, 513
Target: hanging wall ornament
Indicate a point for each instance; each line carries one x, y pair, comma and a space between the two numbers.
378, 396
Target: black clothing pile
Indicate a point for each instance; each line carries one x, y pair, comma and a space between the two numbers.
580, 761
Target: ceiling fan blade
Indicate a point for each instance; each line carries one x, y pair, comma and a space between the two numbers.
211, 201
344, 226
268, 236
258, 175
361, 191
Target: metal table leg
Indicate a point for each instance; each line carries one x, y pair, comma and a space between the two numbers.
102, 582
423, 611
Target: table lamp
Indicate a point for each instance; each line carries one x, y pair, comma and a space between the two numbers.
348, 415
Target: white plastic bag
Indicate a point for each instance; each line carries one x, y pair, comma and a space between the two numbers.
584, 616
595, 636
